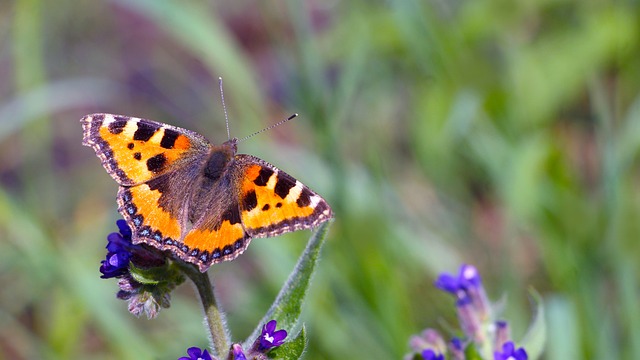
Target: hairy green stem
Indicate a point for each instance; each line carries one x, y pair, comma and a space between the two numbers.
213, 315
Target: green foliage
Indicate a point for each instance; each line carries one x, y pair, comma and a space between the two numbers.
471, 353
499, 133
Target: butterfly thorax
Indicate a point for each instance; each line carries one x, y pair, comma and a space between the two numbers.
218, 158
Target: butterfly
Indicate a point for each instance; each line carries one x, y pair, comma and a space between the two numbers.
200, 201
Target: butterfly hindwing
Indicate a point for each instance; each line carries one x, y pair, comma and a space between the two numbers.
134, 150
157, 211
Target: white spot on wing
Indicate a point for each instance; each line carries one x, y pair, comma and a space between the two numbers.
294, 192
132, 126
271, 184
315, 199
108, 119
157, 136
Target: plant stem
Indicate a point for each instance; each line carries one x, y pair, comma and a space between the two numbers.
212, 313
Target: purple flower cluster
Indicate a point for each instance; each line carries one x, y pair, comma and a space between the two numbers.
471, 299
269, 338
144, 279
475, 314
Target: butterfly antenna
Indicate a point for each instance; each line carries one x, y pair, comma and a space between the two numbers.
224, 107
269, 127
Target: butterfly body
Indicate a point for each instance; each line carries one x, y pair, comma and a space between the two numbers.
200, 201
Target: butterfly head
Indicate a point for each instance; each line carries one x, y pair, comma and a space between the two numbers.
232, 145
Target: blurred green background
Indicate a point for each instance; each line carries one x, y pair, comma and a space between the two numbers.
499, 133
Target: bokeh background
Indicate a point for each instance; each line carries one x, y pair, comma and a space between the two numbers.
503, 134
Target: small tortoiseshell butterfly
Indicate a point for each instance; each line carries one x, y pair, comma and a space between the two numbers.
203, 202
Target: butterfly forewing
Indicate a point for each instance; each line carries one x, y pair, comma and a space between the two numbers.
134, 150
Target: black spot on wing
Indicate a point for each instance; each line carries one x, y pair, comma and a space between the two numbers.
169, 138
137, 156
250, 201
145, 131
157, 163
305, 197
118, 125
130, 146
263, 176
160, 184
266, 207
232, 215
284, 184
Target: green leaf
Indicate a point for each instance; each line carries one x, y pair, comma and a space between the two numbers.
471, 353
288, 304
160, 275
291, 350
534, 341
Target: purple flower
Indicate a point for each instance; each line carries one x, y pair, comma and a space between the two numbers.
429, 354
124, 229
468, 290
509, 352
456, 344
238, 353
118, 256
116, 264
456, 348
195, 353
467, 278
270, 337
